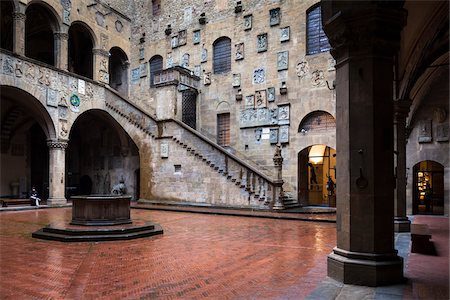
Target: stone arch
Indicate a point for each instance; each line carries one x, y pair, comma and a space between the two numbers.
118, 70
41, 23
316, 122
82, 41
223, 106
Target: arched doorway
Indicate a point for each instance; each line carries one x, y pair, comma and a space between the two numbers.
428, 188
98, 159
118, 70
80, 50
40, 26
6, 25
25, 128
317, 176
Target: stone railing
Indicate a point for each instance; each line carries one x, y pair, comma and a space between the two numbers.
174, 76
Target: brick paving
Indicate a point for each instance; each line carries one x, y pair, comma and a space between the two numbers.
199, 256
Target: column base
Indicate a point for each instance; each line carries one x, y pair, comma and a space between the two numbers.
368, 269
278, 206
56, 201
402, 224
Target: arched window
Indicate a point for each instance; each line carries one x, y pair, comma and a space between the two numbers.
118, 70
316, 40
40, 26
6, 25
156, 64
317, 121
80, 50
222, 55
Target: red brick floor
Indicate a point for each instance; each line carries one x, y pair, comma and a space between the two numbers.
429, 274
199, 256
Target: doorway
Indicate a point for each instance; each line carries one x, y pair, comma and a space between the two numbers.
428, 188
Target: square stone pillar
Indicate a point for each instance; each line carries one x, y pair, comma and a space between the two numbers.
19, 33
61, 50
57, 168
401, 221
365, 37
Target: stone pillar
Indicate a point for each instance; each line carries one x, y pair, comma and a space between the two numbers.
19, 33
278, 188
57, 167
101, 65
62, 50
401, 221
365, 36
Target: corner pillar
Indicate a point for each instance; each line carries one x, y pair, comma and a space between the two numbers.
401, 221
19, 33
57, 167
62, 50
365, 37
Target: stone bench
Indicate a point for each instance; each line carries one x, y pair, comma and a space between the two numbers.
420, 239
5, 202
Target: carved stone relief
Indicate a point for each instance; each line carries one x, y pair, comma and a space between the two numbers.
104, 40
75, 103
142, 54
273, 136
30, 71
204, 55
275, 16
282, 60
283, 114
317, 78
174, 41
207, 78
261, 45
8, 67
100, 19
248, 22
196, 37
271, 94
273, 119
185, 60
18, 69
198, 70
284, 134
331, 64
66, 17
143, 70
239, 51
118, 25
285, 34
169, 60
64, 128
236, 80
260, 99
52, 97
44, 76
182, 38
442, 132
259, 76
425, 131
249, 101
302, 68
258, 133
135, 75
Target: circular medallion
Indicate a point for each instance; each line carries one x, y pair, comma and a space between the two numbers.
74, 100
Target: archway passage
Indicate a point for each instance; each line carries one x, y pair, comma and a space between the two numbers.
6, 25
428, 188
25, 129
40, 26
317, 176
80, 50
118, 70
99, 155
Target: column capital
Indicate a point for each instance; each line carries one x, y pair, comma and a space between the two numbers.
401, 108
101, 52
19, 16
57, 143
61, 35
363, 27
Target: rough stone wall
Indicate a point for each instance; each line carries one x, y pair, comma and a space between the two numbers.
305, 76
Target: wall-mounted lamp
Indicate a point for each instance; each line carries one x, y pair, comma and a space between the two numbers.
333, 85
168, 29
239, 95
283, 88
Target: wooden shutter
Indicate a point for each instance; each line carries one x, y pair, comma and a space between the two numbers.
316, 40
222, 55
223, 129
156, 64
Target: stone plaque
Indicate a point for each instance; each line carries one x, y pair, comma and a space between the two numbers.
317, 78
81, 87
283, 114
239, 51
169, 60
263, 116
63, 128
8, 67
100, 19
204, 55
207, 78
425, 131
273, 116
185, 60
182, 38
250, 101
174, 41
282, 60
285, 34
135, 74
237, 80
164, 150
260, 99
275, 16
302, 68
141, 54
143, 70
284, 134
442, 132
119, 26
248, 22
258, 134
259, 76
198, 70
66, 17
52, 97
196, 37
273, 139
271, 94
261, 44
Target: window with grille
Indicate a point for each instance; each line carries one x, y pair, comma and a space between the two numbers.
156, 7
156, 64
223, 129
316, 40
317, 121
222, 55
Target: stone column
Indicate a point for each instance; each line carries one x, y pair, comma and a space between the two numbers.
19, 33
57, 167
101, 65
278, 188
401, 221
62, 50
364, 36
